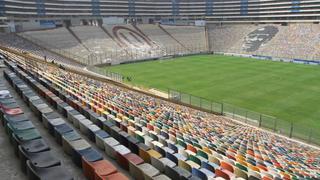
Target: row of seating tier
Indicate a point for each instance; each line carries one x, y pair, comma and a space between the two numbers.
203, 145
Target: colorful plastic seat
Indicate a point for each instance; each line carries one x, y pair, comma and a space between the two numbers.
97, 168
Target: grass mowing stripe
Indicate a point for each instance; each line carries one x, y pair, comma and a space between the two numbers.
284, 90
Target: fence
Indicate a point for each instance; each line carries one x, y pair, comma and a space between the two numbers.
112, 75
289, 129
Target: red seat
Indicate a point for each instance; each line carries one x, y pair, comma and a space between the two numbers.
98, 168
150, 127
262, 167
116, 176
14, 111
123, 160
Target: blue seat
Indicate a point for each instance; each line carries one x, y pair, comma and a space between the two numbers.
102, 134
209, 165
172, 157
173, 147
60, 130
160, 150
90, 154
202, 173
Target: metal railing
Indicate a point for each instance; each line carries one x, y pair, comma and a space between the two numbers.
296, 130
111, 75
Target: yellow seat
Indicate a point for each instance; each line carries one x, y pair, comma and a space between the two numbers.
131, 131
214, 159
183, 164
146, 155
207, 150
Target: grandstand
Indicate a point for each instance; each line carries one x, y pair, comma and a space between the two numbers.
65, 116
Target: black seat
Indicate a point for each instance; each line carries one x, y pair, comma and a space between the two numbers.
34, 146
115, 132
107, 126
133, 144
52, 173
43, 159
177, 173
123, 138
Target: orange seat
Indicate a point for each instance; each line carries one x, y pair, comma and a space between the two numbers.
220, 173
226, 166
101, 168
115, 176
254, 168
262, 167
238, 156
191, 148
286, 176
266, 178
243, 162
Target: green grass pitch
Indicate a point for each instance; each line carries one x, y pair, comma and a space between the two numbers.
284, 90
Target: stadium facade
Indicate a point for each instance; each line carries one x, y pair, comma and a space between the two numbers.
28, 14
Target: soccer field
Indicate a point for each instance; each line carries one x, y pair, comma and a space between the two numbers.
284, 90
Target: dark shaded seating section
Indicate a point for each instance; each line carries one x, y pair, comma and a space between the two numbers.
36, 158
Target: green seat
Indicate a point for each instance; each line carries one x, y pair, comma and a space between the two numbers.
240, 166
197, 145
212, 146
181, 143
27, 135
20, 126
143, 123
140, 138
202, 154
153, 136
16, 127
293, 177
188, 141
113, 113
178, 136
195, 159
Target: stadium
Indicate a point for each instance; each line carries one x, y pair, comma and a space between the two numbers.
159, 89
